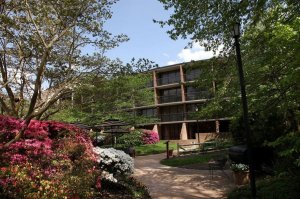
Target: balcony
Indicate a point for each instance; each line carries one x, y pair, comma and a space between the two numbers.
198, 95
178, 116
168, 80
172, 117
191, 115
169, 98
192, 75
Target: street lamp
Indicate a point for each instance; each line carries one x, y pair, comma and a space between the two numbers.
2, 3
236, 36
196, 109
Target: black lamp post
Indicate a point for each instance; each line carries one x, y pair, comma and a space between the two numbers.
2, 2
236, 36
198, 126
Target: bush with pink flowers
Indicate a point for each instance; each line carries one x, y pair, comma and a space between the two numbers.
51, 160
150, 137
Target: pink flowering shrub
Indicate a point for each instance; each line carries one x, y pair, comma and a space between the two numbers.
149, 137
52, 160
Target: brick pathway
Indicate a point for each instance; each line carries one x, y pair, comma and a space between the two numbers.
166, 182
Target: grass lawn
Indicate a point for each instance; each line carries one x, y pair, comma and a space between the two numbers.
193, 159
149, 149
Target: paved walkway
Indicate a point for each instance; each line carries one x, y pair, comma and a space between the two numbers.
166, 182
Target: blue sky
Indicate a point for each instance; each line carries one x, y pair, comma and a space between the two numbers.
147, 39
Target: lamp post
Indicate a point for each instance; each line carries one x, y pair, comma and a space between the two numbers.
236, 36
2, 3
196, 109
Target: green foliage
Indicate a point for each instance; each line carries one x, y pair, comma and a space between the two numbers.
269, 188
264, 127
104, 98
46, 40
134, 138
288, 147
127, 187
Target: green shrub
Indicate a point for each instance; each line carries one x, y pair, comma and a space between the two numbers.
270, 188
134, 138
264, 128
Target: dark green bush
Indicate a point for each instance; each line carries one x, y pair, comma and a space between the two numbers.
264, 128
134, 138
271, 188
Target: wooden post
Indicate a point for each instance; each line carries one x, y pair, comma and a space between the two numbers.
167, 146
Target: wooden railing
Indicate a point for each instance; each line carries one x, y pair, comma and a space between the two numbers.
199, 147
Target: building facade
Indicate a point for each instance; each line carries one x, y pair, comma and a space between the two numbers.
176, 103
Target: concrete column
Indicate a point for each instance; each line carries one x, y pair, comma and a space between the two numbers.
155, 90
182, 85
183, 133
155, 128
217, 126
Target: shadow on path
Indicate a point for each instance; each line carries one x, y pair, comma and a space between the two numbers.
179, 183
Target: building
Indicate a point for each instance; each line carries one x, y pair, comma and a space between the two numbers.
175, 103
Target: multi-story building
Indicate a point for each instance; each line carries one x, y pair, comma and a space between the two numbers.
176, 102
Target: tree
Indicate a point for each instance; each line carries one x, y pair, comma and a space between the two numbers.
42, 51
270, 45
100, 97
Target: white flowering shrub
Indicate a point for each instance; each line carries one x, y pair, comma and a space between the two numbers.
114, 161
108, 176
239, 167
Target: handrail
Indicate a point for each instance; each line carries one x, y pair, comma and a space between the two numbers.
169, 98
167, 80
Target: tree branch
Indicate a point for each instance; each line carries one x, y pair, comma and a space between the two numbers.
35, 25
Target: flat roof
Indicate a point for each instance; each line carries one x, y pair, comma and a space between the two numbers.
168, 67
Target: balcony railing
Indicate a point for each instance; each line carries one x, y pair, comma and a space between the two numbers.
178, 116
191, 77
169, 98
167, 80
172, 117
191, 115
198, 95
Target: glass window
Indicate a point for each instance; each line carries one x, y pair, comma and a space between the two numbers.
192, 74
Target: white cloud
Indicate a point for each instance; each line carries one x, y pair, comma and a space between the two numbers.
196, 53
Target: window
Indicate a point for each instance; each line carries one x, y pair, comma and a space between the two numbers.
197, 93
172, 113
170, 95
147, 112
192, 74
168, 78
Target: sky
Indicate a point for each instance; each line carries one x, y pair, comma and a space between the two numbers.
147, 39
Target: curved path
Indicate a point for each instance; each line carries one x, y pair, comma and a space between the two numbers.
166, 182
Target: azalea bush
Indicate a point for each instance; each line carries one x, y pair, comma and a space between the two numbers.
51, 160
149, 137
114, 161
